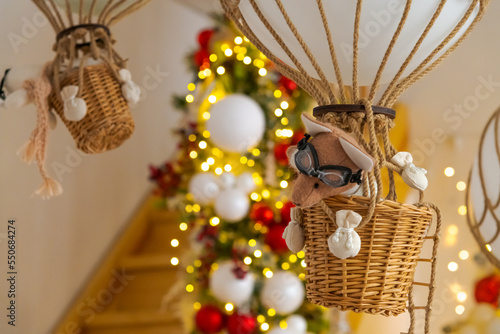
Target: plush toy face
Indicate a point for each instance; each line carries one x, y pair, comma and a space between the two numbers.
336, 153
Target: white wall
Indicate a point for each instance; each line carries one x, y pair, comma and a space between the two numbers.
61, 239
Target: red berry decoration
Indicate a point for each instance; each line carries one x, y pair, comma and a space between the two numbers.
204, 38
285, 212
241, 324
201, 56
274, 239
488, 290
209, 320
280, 153
262, 213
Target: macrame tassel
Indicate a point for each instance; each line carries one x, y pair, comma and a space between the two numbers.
38, 91
27, 152
49, 188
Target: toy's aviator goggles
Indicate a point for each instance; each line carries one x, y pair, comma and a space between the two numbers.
307, 162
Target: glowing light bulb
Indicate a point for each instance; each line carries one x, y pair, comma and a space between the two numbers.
227, 168
228, 52
174, 243
285, 266
183, 226
284, 105
205, 166
221, 70
174, 261
193, 154
262, 71
277, 93
247, 60
229, 307
191, 87
449, 171
218, 171
206, 115
252, 243
264, 326
462, 210
212, 99
464, 255
202, 144
461, 186
214, 221
257, 253
189, 288
460, 309
210, 161
461, 296
238, 40
189, 98
452, 266
283, 184
271, 312
213, 57
247, 260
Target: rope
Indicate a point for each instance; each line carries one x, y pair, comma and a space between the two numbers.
38, 91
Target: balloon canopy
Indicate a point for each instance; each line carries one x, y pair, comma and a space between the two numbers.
321, 44
483, 197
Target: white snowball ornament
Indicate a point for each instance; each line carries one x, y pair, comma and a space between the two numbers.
245, 183
204, 188
227, 180
236, 123
232, 205
279, 330
297, 324
228, 288
283, 292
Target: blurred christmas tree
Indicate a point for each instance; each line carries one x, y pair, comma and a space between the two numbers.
230, 179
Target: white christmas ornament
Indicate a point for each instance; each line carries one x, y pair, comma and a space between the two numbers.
245, 183
412, 175
75, 108
227, 180
297, 324
227, 288
378, 22
204, 188
283, 292
345, 242
236, 123
232, 205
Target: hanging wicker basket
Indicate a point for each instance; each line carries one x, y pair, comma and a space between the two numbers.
108, 122
379, 278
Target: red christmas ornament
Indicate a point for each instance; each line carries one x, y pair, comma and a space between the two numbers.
285, 212
204, 38
488, 290
201, 56
241, 324
262, 213
274, 239
289, 84
209, 320
280, 153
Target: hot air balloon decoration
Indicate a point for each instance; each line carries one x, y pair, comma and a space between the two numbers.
356, 58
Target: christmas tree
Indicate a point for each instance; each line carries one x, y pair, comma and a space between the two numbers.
230, 179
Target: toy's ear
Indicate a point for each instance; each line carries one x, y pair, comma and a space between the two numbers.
313, 126
290, 153
360, 158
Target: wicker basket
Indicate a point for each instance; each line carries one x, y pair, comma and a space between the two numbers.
108, 122
378, 279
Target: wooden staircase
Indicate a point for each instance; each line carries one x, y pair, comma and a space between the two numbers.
125, 294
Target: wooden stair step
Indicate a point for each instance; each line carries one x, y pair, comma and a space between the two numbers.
148, 261
132, 319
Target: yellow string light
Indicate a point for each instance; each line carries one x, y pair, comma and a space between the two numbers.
264, 326
212, 99
285, 266
213, 57
207, 72
202, 144
191, 87
205, 167
460, 309
284, 105
189, 98
190, 269
218, 171
197, 263
229, 307
252, 243
214, 221
251, 163
271, 312
463, 255
210, 161
452, 266
283, 324
266, 193
189, 288
243, 160
449, 171
183, 226
228, 52
247, 60
262, 71
301, 254
240, 56
277, 93
197, 305
255, 152
257, 253
284, 121
174, 243
228, 168
238, 40
192, 138
461, 186
206, 115
283, 184
193, 154
279, 205
461, 296
462, 210
221, 70
303, 263
261, 318
247, 260
174, 261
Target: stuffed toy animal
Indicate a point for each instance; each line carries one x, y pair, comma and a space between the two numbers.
17, 96
329, 164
